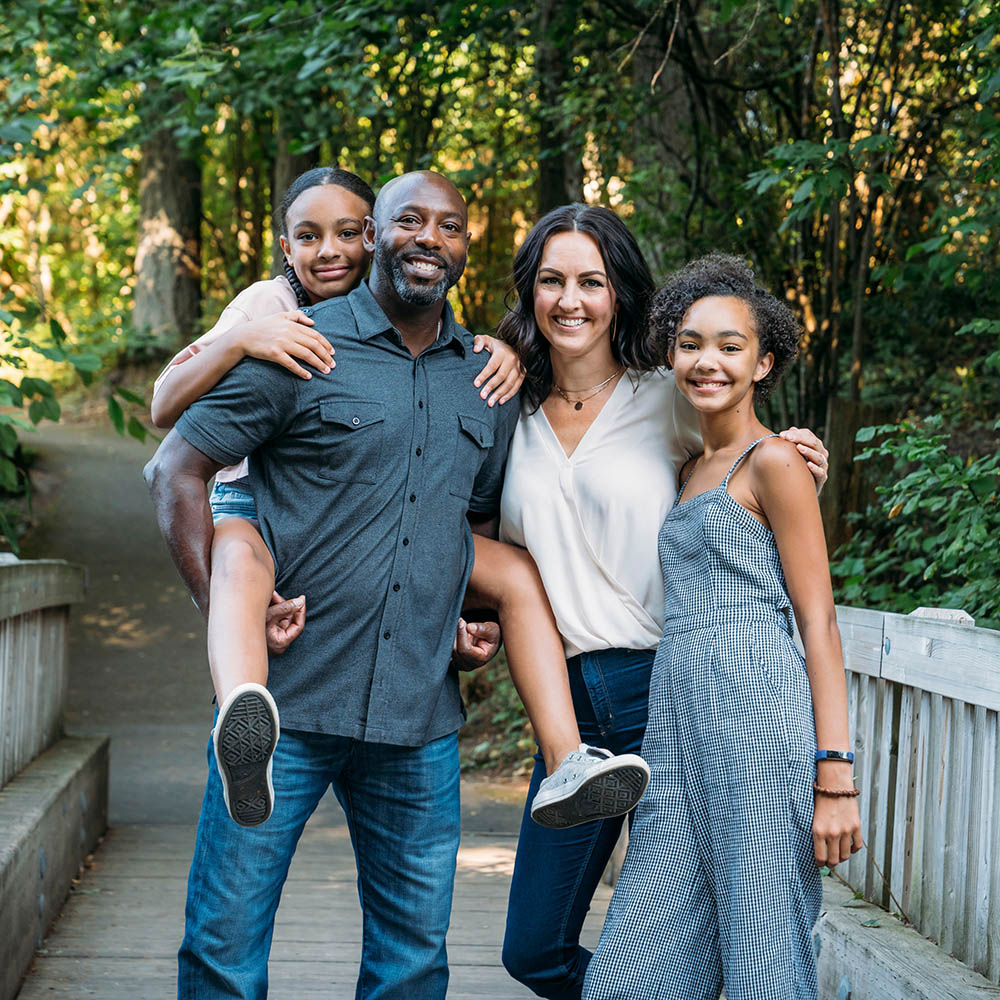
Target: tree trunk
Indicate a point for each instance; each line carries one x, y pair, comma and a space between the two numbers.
560, 167
287, 166
168, 256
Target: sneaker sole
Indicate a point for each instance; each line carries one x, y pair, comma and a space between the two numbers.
245, 737
612, 793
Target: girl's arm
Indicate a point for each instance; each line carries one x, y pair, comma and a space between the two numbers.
284, 338
784, 487
503, 370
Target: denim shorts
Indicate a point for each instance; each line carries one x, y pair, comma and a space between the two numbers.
232, 500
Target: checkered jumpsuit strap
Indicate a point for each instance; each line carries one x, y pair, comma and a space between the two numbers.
743, 454
719, 887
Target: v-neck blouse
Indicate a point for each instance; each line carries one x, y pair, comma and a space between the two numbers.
590, 520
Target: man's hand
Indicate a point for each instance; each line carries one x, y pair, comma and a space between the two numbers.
476, 643
812, 450
285, 622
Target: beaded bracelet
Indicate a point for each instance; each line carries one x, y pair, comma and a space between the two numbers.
835, 793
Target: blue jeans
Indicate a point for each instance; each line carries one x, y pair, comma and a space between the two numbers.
557, 871
402, 808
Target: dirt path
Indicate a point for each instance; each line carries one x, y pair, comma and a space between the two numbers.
138, 670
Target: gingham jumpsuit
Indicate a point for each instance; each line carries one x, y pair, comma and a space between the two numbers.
719, 887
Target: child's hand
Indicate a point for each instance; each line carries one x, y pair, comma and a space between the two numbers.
836, 829
283, 338
284, 622
504, 370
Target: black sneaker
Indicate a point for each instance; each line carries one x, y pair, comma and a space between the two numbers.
244, 738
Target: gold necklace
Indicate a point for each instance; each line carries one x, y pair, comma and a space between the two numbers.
592, 390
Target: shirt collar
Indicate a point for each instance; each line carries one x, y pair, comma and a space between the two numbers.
372, 321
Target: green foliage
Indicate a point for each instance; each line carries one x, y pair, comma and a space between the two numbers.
852, 151
931, 540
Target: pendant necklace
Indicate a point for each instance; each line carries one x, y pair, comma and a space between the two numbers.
592, 391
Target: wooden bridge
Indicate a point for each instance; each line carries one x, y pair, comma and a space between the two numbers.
924, 696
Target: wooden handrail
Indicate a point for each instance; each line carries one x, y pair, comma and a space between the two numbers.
923, 697
39, 583
35, 597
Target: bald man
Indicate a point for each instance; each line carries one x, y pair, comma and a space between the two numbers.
365, 480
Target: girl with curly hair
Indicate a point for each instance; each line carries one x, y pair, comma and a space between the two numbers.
721, 887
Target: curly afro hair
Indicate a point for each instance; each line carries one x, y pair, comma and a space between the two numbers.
777, 329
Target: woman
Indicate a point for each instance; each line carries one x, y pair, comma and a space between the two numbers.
591, 474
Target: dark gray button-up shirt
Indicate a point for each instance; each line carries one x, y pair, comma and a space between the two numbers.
363, 479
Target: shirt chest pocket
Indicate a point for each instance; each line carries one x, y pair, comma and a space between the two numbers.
474, 440
351, 436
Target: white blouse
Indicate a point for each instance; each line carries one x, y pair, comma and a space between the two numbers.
590, 521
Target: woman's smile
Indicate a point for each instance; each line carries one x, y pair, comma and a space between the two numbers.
574, 301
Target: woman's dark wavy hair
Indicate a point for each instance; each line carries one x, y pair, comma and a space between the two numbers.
629, 276
777, 329
317, 177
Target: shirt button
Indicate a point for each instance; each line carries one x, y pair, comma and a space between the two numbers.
413, 497
421, 404
395, 587
355, 421
419, 453
406, 541
386, 635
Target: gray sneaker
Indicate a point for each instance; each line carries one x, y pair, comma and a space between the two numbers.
590, 783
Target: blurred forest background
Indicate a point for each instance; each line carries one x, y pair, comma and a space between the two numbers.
850, 149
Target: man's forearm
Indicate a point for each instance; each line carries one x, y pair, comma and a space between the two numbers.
485, 527
180, 498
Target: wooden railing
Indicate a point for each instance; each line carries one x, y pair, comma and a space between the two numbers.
34, 615
923, 696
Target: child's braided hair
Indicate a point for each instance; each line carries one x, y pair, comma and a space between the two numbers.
317, 177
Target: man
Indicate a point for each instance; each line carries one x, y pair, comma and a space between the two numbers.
364, 480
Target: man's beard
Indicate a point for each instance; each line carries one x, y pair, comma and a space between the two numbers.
390, 267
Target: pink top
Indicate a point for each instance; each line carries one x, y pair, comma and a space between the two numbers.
263, 298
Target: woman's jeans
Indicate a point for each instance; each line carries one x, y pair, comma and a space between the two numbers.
557, 871
402, 808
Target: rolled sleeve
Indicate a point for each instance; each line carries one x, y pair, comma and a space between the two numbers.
250, 405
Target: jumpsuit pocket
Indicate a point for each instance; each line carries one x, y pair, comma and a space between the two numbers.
474, 437
783, 672
351, 436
